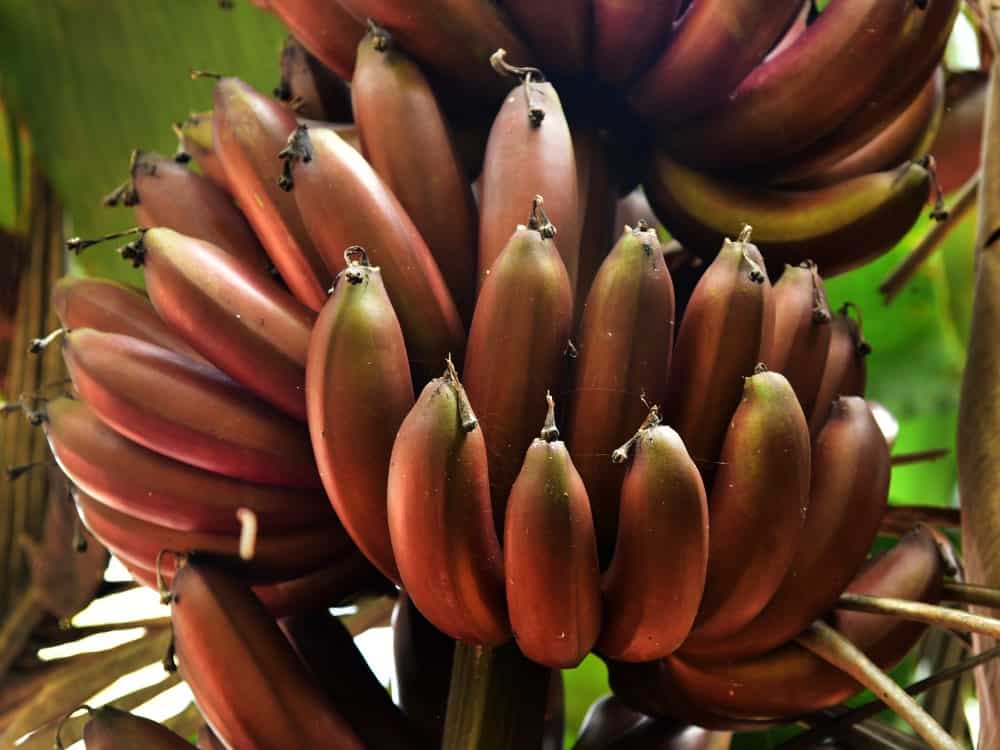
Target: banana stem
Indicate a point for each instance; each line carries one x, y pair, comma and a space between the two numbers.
929, 613
18, 627
904, 459
968, 593
832, 647
497, 700
899, 519
835, 725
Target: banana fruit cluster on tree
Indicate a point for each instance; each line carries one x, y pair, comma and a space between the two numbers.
392, 336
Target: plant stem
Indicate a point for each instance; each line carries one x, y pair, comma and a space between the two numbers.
968, 593
832, 647
921, 612
899, 519
496, 701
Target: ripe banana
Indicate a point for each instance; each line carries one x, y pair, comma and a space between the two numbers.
628, 36
358, 390
839, 226
107, 305
198, 415
529, 152
454, 37
326, 648
850, 487
801, 94
233, 314
276, 557
757, 506
728, 322
165, 193
248, 131
112, 729
310, 88
802, 331
246, 679
845, 372
440, 517
194, 136
408, 142
598, 194
326, 29
157, 489
523, 315
550, 556
623, 348
558, 32
369, 215
657, 575
791, 681
715, 45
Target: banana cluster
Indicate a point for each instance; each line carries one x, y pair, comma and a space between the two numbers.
394, 373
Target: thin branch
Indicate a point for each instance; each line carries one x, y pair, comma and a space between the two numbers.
904, 459
921, 612
968, 593
834, 648
899, 519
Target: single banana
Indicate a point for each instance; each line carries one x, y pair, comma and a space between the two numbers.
623, 346
550, 556
628, 36
845, 371
194, 136
558, 32
358, 390
313, 90
654, 585
326, 29
109, 728
523, 315
441, 519
839, 226
598, 194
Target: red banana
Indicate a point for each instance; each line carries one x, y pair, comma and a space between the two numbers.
233, 314
327, 650
550, 556
157, 489
529, 153
358, 390
845, 372
628, 35
310, 88
523, 316
249, 130
165, 193
850, 487
195, 414
558, 32
657, 575
107, 305
440, 517
715, 44
408, 142
325, 28
802, 330
112, 729
728, 322
757, 506
194, 135
623, 348
324, 168
276, 556
246, 679
598, 194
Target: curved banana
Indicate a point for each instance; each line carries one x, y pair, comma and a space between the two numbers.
529, 152
757, 506
623, 345
111, 729
839, 226
847, 499
628, 36
326, 29
715, 45
657, 575
523, 314
728, 322
248, 131
358, 390
325, 170
107, 305
246, 679
558, 32
408, 142
194, 136
550, 556
845, 372
799, 95
440, 517
157, 489
164, 193
308, 86
802, 331
196, 415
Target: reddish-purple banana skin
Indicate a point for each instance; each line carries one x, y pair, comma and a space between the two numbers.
628, 35
558, 32
326, 29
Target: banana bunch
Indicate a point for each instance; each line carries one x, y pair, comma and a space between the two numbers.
354, 367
